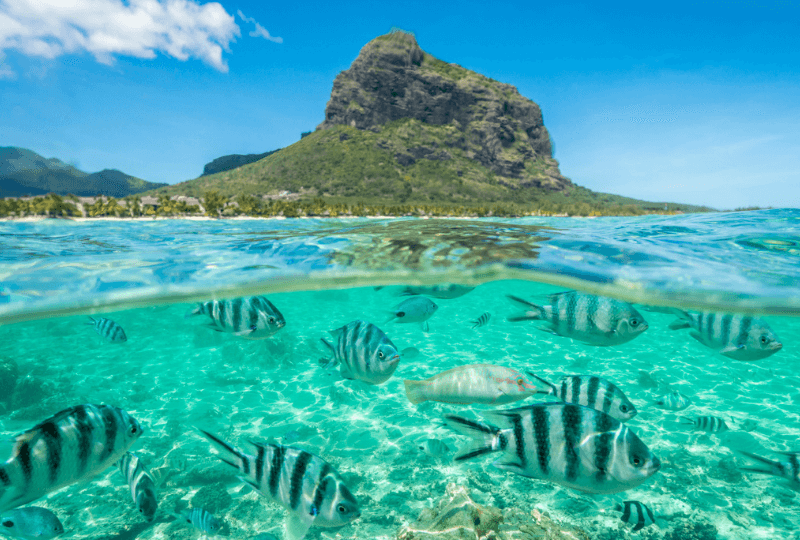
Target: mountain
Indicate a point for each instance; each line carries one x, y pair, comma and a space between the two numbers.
233, 161
24, 172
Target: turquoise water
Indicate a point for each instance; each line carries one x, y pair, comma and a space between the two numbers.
173, 374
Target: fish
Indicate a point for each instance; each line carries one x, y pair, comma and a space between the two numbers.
637, 514
202, 519
594, 392
306, 485
483, 320
70, 446
434, 447
570, 445
738, 337
253, 317
476, 383
674, 401
443, 291
291, 436
594, 320
416, 309
709, 424
30, 523
108, 330
143, 488
788, 468
363, 351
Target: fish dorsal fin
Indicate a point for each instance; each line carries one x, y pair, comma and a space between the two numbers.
337, 332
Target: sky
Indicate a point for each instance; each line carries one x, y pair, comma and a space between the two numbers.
692, 102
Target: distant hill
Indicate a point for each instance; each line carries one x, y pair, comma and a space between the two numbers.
233, 161
24, 172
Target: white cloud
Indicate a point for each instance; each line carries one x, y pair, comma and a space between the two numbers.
181, 29
259, 30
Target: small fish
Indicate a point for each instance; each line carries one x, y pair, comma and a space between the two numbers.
476, 383
709, 424
253, 317
594, 392
594, 320
108, 330
736, 336
416, 309
444, 291
202, 519
434, 447
637, 514
570, 445
30, 523
674, 401
788, 468
291, 436
306, 485
70, 446
143, 488
483, 320
363, 351
749, 425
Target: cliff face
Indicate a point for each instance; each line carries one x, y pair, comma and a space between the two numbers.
393, 79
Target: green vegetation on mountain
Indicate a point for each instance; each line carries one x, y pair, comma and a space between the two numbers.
232, 161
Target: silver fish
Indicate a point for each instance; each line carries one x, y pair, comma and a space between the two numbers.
108, 330
434, 447
143, 488
594, 320
476, 383
567, 444
594, 392
416, 309
739, 337
637, 514
202, 519
306, 485
443, 291
709, 424
363, 351
674, 401
30, 523
253, 317
483, 320
69, 447
787, 468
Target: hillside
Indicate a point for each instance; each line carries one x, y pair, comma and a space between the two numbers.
232, 161
24, 172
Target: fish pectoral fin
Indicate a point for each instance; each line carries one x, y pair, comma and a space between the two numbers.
297, 525
547, 330
426, 327
696, 335
732, 348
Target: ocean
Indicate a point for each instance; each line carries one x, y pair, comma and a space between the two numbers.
177, 376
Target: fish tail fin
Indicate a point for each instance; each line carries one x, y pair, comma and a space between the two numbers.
196, 310
534, 313
761, 465
684, 320
93, 322
227, 453
328, 363
415, 391
486, 438
550, 385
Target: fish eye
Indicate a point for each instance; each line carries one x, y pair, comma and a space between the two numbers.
764, 340
623, 408
380, 354
520, 381
634, 322
133, 430
271, 320
637, 461
342, 509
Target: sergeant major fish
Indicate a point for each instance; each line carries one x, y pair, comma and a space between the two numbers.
363, 351
594, 392
567, 444
416, 309
674, 401
202, 519
70, 446
476, 383
483, 320
306, 485
738, 337
108, 330
30, 523
709, 424
143, 489
594, 320
637, 514
434, 447
787, 468
253, 317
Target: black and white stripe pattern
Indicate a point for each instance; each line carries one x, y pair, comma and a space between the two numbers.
483, 320
637, 514
68, 447
202, 519
109, 330
740, 337
299, 481
143, 488
787, 468
254, 317
568, 444
709, 424
593, 392
364, 352
674, 401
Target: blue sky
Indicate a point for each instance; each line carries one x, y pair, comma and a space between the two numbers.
695, 102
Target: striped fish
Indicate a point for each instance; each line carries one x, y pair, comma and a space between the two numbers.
637, 514
31, 522
202, 519
69, 447
307, 486
709, 424
254, 317
143, 489
108, 330
567, 444
594, 392
594, 320
739, 337
483, 320
674, 401
476, 383
363, 351
788, 468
